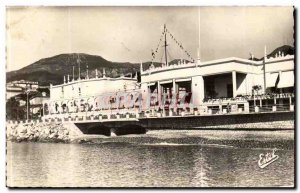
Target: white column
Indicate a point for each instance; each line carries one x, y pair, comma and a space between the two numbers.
246, 107
234, 83
144, 89
159, 93
197, 90
174, 87
173, 93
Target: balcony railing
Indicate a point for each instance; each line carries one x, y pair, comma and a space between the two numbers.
249, 97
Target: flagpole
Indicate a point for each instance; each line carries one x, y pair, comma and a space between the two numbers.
165, 30
264, 63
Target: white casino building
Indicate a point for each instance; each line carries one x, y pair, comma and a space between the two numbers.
221, 82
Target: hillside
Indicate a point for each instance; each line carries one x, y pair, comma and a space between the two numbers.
286, 49
52, 70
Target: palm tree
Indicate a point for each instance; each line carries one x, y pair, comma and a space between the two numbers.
27, 96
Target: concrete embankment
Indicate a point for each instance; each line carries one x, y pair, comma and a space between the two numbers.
43, 132
274, 125
270, 121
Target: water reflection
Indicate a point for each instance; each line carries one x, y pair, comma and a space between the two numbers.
200, 169
119, 165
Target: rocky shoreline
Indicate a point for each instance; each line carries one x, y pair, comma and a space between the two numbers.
41, 132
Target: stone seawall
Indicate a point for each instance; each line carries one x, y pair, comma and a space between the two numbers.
42, 132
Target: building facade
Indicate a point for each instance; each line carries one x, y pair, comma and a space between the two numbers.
228, 78
89, 94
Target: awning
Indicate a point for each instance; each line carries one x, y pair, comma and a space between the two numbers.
166, 82
151, 84
286, 79
183, 80
271, 79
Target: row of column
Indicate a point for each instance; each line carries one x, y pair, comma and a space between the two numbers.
159, 90
234, 83
197, 89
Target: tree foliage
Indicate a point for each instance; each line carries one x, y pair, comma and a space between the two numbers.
13, 110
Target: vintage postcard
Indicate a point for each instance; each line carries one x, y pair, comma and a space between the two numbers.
150, 97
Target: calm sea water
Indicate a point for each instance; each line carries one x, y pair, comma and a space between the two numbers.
133, 165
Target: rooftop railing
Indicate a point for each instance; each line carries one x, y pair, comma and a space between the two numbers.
168, 67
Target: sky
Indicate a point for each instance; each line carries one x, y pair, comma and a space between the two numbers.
128, 34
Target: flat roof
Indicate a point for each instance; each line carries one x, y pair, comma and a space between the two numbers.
216, 62
95, 79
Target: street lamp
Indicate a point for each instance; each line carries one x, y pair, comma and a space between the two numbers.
27, 113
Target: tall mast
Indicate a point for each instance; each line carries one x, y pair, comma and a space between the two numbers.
199, 39
199, 32
264, 63
165, 31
